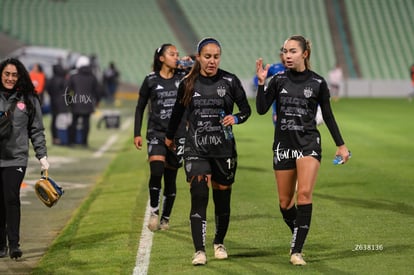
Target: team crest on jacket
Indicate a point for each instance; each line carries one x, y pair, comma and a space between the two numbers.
308, 92
21, 105
188, 166
221, 91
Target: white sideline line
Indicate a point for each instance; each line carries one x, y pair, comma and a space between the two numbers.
126, 124
145, 242
144, 248
111, 140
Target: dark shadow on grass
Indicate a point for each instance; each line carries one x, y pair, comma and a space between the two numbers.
253, 169
253, 216
327, 185
88, 241
330, 254
252, 253
176, 234
318, 259
246, 249
398, 207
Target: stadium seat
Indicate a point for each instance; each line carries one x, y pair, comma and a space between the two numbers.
247, 30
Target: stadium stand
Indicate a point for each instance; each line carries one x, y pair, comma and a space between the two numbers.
127, 35
251, 29
383, 36
381, 31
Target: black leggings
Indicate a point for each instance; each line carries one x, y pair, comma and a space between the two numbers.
10, 181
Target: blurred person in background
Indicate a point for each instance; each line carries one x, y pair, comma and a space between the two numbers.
110, 81
159, 89
411, 94
335, 81
56, 88
206, 98
38, 78
82, 95
18, 95
297, 141
95, 67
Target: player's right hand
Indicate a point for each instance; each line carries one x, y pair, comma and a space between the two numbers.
261, 72
138, 142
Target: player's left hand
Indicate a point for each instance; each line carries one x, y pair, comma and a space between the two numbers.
228, 120
170, 144
344, 153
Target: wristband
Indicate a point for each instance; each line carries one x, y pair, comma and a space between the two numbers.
236, 119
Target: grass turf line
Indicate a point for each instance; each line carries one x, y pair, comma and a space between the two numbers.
102, 236
365, 203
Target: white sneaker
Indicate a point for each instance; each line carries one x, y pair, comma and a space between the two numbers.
164, 224
153, 222
290, 253
199, 258
220, 252
297, 259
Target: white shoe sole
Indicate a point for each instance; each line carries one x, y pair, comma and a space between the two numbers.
296, 259
199, 258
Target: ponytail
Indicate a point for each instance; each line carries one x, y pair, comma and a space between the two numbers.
157, 64
189, 82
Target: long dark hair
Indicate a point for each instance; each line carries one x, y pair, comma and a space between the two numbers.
189, 82
157, 64
190, 79
24, 84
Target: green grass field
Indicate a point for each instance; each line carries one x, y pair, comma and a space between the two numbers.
361, 224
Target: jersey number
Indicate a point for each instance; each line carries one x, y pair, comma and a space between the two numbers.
180, 150
230, 163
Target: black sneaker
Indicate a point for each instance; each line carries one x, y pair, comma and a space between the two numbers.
3, 252
15, 253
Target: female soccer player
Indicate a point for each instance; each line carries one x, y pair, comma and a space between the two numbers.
297, 142
210, 152
160, 89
